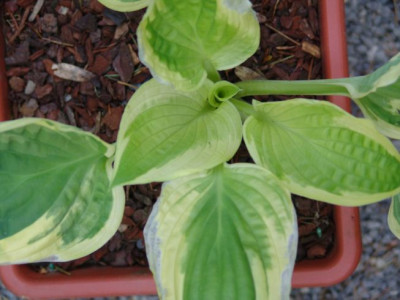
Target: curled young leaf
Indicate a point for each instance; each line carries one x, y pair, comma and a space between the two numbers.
227, 233
321, 152
125, 5
394, 216
56, 203
222, 91
184, 41
166, 133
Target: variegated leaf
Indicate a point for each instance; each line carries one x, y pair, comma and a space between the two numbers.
56, 203
378, 96
394, 216
321, 152
125, 5
166, 133
183, 41
227, 233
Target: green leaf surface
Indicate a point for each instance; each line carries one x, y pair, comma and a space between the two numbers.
321, 152
183, 41
166, 133
125, 5
227, 233
394, 216
56, 203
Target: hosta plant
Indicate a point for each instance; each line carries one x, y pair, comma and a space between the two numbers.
218, 230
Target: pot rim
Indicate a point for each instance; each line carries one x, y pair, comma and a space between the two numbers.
96, 282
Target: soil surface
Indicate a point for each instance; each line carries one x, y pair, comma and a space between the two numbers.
101, 45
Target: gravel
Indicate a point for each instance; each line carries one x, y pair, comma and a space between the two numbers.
373, 37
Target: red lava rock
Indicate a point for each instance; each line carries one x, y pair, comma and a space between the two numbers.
140, 216
49, 23
17, 83
123, 63
66, 3
29, 108
316, 251
100, 65
119, 259
42, 91
96, 6
120, 92
92, 104
87, 88
80, 261
113, 117
132, 233
20, 56
48, 65
286, 21
128, 211
88, 120
115, 242
66, 34
108, 33
127, 221
306, 29
306, 229
99, 254
11, 6
53, 115
17, 71
87, 23
25, 3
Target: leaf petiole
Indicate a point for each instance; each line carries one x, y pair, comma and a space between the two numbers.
245, 109
298, 87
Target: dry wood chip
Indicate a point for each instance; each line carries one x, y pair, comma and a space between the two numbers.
311, 49
43, 91
113, 117
25, 3
17, 84
29, 108
123, 63
121, 31
245, 73
20, 56
71, 72
17, 71
36, 9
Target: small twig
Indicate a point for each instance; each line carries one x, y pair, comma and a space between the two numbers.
38, 6
282, 34
276, 62
61, 270
21, 26
134, 56
396, 12
275, 7
95, 51
135, 87
57, 42
285, 47
310, 68
13, 22
111, 77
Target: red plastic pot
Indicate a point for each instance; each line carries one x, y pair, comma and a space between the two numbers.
96, 282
